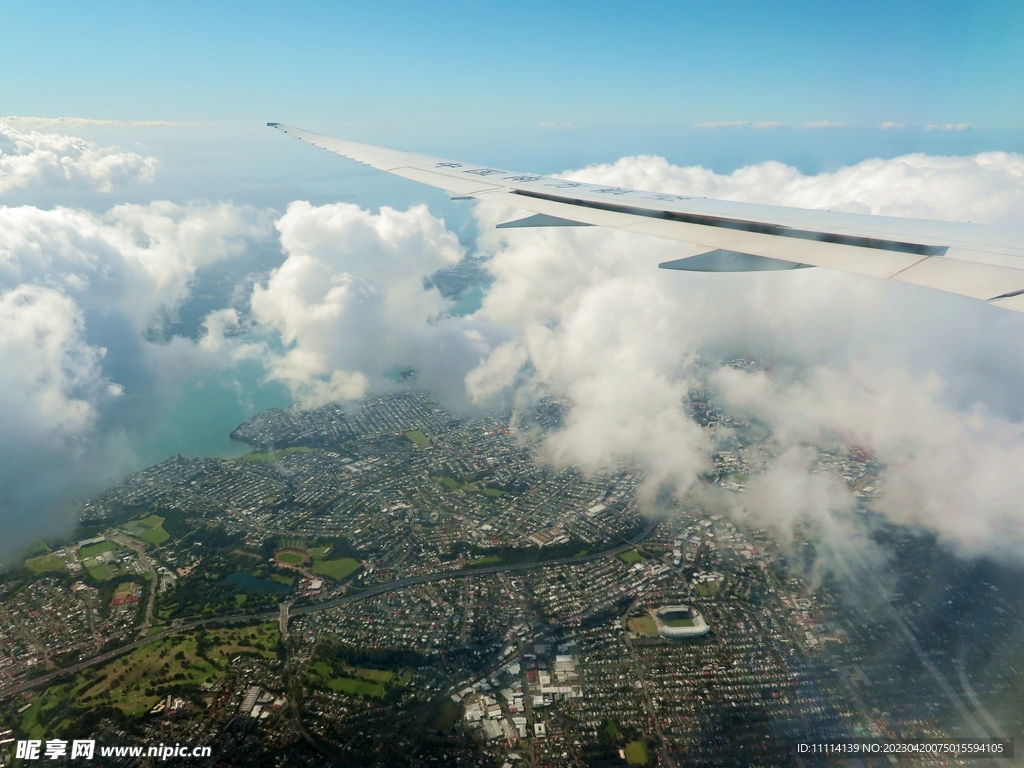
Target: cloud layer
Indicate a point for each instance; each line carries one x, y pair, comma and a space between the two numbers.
32, 159
78, 292
853, 361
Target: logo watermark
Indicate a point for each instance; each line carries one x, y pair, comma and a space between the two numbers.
86, 749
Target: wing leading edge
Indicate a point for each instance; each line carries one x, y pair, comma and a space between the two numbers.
980, 261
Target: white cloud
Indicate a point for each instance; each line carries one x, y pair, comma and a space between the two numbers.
894, 368
724, 124
890, 126
78, 291
956, 472
33, 159
52, 391
86, 122
985, 187
948, 127
135, 260
349, 302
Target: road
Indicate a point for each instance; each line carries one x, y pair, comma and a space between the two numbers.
353, 597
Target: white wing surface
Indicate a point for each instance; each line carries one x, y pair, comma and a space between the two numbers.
976, 260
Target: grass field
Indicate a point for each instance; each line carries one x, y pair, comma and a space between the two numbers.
276, 455
381, 676
679, 623
708, 589
636, 753
495, 492
103, 572
291, 557
335, 569
45, 563
455, 485
643, 625
97, 549
631, 556
417, 437
320, 670
332, 569
135, 682
153, 530
489, 560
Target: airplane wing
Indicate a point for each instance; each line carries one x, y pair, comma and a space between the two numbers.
976, 260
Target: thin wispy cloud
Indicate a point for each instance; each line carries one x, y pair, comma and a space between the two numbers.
890, 126
768, 124
948, 127
79, 122
558, 126
724, 124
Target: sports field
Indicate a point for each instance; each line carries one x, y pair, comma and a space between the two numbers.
631, 556
44, 563
274, 456
643, 625
97, 549
335, 569
322, 672
636, 753
291, 556
417, 437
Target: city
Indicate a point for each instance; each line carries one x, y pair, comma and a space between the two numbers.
396, 585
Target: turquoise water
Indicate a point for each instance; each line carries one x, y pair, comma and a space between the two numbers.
249, 583
208, 407
470, 301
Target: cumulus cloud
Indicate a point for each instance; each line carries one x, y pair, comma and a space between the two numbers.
955, 472
135, 261
854, 361
890, 126
29, 159
350, 302
78, 291
52, 390
985, 187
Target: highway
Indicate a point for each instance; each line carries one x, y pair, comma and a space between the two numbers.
280, 615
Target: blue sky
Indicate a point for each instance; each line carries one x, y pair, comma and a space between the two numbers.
430, 70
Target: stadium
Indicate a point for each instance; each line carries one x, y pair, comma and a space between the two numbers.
679, 621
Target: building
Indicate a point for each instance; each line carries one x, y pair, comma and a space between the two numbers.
680, 621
